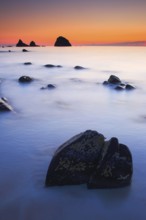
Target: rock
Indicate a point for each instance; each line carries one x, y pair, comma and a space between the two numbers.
21, 44
105, 83
24, 50
25, 79
50, 66
74, 160
49, 86
33, 44
27, 63
129, 87
79, 68
114, 79
119, 88
115, 167
88, 158
4, 106
62, 42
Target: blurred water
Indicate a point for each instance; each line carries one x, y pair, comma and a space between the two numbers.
44, 119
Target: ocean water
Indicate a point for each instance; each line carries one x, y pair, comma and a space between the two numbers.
44, 119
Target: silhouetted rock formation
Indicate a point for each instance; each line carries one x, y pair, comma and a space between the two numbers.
33, 44
62, 42
21, 44
88, 158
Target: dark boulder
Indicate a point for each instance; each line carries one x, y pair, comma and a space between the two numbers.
25, 79
79, 68
129, 87
52, 66
4, 105
62, 42
88, 158
21, 44
24, 50
119, 88
114, 79
74, 160
49, 86
27, 63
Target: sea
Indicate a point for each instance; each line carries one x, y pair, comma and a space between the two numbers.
43, 119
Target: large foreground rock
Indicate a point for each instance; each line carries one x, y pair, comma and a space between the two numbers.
4, 105
62, 42
88, 158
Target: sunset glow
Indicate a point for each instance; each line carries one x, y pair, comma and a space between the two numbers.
82, 22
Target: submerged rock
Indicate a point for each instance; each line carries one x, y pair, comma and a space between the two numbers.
52, 66
88, 158
115, 82
62, 42
49, 86
25, 79
129, 87
79, 68
21, 44
24, 50
4, 105
27, 63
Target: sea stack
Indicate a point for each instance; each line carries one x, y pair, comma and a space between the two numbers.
33, 44
62, 42
21, 44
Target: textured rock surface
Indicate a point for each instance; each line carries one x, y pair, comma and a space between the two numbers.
4, 106
88, 158
62, 42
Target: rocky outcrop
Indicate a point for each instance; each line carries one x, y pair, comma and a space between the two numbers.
33, 44
25, 79
62, 42
88, 159
4, 105
21, 44
115, 83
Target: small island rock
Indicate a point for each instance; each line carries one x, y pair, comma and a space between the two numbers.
33, 44
21, 44
114, 79
62, 42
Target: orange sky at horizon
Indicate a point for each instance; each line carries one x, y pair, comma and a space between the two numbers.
88, 24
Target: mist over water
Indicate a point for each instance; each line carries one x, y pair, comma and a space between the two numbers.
44, 119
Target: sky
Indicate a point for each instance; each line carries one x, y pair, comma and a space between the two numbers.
80, 21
